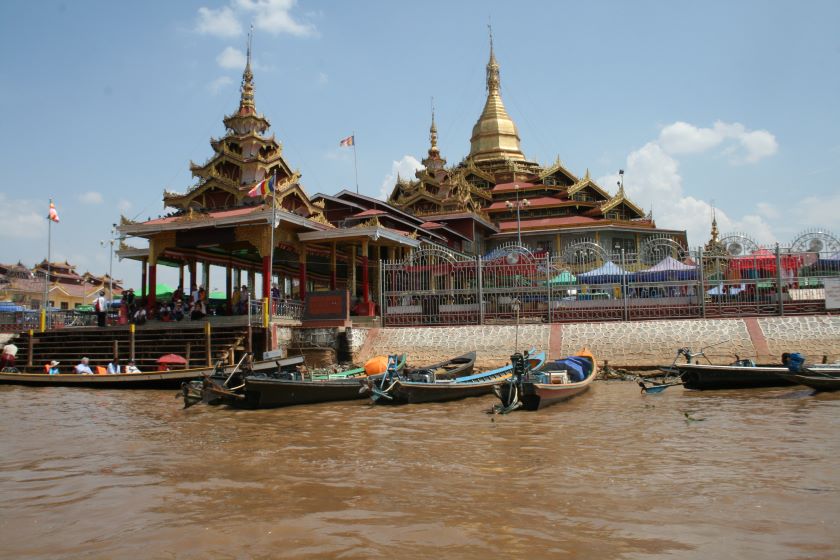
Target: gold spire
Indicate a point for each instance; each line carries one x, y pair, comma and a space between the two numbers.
495, 135
715, 232
246, 100
433, 149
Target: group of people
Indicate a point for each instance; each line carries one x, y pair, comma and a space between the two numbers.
240, 300
84, 367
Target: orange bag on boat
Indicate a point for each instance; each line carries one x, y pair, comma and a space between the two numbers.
376, 365
101, 370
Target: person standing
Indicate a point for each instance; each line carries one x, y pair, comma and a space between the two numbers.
244, 299
100, 305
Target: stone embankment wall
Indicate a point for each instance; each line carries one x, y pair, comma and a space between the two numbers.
630, 344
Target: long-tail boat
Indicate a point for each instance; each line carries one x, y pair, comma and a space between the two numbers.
397, 389
820, 377
144, 380
536, 388
267, 390
447, 369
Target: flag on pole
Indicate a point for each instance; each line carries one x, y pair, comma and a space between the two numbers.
53, 214
347, 142
264, 187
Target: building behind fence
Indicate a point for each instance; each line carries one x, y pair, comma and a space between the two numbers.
588, 283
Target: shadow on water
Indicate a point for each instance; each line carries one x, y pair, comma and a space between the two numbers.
609, 474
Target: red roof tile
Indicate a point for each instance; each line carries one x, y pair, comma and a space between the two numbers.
539, 201
549, 222
431, 225
370, 212
219, 214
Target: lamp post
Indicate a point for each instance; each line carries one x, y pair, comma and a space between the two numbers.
519, 204
114, 239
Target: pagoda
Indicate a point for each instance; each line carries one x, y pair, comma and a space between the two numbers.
497, 196
282, 235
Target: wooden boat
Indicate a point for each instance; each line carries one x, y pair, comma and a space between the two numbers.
818, 379
739, 375
403, 389
448, 369
533, 389
290, 388
144, 380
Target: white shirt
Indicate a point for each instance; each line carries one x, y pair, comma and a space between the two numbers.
131, 369
103, 305
10, 349
113, 368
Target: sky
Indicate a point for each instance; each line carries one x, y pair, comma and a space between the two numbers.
731, 104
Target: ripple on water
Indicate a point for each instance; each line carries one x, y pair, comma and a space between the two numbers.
609, 474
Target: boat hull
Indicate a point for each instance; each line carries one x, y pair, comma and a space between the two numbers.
412, 393
272, 393
821, 383
708, 377
536, 396
151, 380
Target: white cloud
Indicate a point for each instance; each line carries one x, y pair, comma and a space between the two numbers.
219, 83
274, 16
405, 167
323, 79
231, 58
22, 220
742, 145
91, 197
220, 23
653, 180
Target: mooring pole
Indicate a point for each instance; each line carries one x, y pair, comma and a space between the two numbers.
31, 349
207, 343
131, 342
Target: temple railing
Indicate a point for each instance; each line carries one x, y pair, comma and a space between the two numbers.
586, 283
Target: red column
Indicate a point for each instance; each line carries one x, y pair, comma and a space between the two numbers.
302, 274
181, 276
333, 267
365, 287
151, 300
143, 279
266, 276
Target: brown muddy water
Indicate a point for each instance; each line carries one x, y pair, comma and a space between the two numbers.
611, 474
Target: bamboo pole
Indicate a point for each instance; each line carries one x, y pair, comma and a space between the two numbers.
131, 342
189, 352
208, 343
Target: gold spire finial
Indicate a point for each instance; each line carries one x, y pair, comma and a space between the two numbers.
493, 80
714, 232
433, 131
246, 101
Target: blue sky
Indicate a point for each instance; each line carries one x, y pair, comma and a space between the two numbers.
107, 102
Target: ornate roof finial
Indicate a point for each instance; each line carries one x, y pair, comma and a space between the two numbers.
715, 233
246, 101
586, 176
433, 132
493, 80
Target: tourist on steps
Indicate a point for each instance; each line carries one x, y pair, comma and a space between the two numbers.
83, 367
234, 301
101, 307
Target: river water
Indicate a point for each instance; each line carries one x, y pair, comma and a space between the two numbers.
611, 474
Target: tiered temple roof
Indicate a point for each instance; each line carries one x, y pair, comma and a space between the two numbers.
495, 175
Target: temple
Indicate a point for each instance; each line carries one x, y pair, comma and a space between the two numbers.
316, 243
496, 196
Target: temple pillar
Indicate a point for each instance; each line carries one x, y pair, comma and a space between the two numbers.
266, 276
228, 288
557, 244
378, 275
392, 253
302, 272
365, 280
352, 271
144, 278
252, 282
151, 300
333, 271
193, 278
181, 275
205, 277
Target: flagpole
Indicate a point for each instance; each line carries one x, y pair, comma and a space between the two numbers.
271, 251
355, 166
49, 257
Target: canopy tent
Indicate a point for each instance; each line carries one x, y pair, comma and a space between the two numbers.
731, 290
761, 264
829, 264
565, 277
608, 273
668, 268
